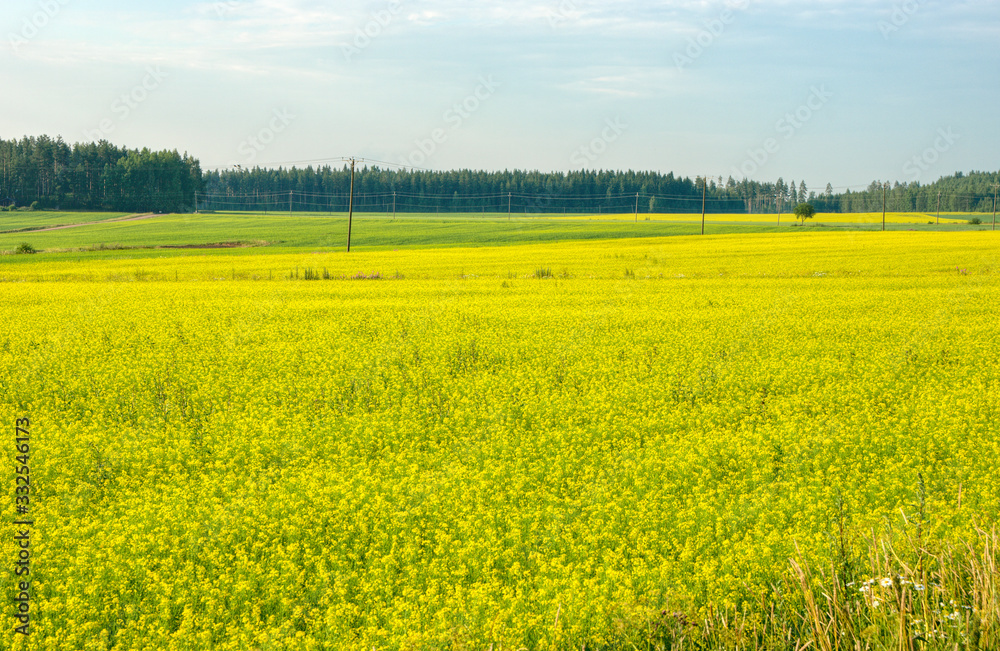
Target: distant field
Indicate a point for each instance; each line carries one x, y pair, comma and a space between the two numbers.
408, 230
17, 220
369, 230
787, 218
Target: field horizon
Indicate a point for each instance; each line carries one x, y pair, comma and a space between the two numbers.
75, 232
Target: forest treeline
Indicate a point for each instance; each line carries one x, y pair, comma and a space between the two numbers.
48, 173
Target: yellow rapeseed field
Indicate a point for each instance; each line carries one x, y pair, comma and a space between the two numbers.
537, 446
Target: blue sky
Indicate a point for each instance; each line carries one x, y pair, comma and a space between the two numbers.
838, 91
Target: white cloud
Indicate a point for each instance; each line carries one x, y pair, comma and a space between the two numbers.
626, 82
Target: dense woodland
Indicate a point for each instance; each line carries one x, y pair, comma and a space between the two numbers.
48, 173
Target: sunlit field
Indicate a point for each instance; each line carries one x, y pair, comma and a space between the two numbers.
787, 218
408, 230
13, 221
597, 444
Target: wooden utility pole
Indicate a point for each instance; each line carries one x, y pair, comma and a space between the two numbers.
393, 205
508, 206
885, 188
781, 204
350, 209
704, 198
995, 186
290, 192
939, 208
636, 207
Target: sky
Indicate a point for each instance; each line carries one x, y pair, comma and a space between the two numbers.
832, 91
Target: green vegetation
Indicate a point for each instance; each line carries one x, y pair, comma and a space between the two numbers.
48, 173
108, 233
804, 211
15, 221
370, 230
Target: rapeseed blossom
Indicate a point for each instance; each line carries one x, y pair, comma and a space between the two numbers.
440, 449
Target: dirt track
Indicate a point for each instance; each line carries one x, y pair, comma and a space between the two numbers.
130, 218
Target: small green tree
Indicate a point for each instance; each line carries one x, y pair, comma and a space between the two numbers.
804, 211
